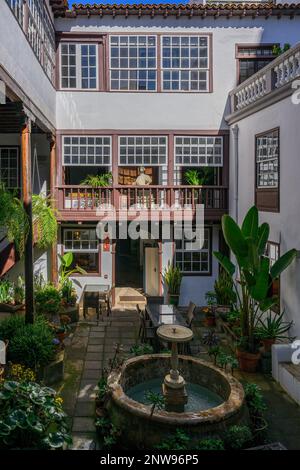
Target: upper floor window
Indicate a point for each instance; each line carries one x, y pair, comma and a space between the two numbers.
253, 58
79, 66
85, 150
133, 63
9, 167
198, 151
267, 171
192, 260
185, 63
143, 150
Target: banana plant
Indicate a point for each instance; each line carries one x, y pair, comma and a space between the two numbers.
254, 275
65, 269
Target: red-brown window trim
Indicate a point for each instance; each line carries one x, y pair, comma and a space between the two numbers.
250, 45
267, 199
102, 39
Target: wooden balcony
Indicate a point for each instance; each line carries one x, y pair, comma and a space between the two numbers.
86, 203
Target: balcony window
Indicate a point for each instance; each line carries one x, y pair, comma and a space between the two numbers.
142, 150
133, 63
83, 243
199, 151
87, 150
251, 59
185, 63
193, 261
9, 167
17, 8
79, 66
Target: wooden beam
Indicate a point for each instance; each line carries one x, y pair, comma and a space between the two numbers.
27, 202
53, 164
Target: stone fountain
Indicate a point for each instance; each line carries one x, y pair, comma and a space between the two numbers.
174, 390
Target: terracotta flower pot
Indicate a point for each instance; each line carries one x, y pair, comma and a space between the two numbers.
248, 362
209, 321
267, 344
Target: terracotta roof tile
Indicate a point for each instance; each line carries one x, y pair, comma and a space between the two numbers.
169, 9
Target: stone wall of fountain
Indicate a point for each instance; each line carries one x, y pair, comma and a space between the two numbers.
145, 431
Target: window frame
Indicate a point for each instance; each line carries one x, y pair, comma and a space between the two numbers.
17, 188
208, 70
72, 250
240, 57
78, 43
209, 251
135, 136
182, 165
78, 136
267, 199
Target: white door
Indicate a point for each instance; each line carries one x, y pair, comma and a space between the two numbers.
151, 267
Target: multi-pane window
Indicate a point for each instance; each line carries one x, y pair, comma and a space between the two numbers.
133, 63
79, 66
17, 8
185, 63
191, 260
143, 150
84, 245
87, 150
9, 167
252, 59
198, 151
267, 160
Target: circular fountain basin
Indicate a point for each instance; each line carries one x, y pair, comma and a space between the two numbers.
216, 400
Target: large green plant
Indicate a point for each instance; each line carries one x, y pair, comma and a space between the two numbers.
255, 275
47, 300
31, 417
44, 218
198, 177
98, 181
66, 270
173, 278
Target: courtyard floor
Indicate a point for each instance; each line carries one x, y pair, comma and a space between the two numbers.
91, 346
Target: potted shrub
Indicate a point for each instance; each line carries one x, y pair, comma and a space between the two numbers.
173, 278
68, 294
8, 301
255, 275
272, 329
98, 181
224, 294
48, 300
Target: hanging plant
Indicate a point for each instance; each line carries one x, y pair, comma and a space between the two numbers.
13, 218
44, 219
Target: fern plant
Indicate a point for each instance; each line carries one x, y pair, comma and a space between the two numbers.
44, 218
98, 181
192, 177
199, 177
13, 219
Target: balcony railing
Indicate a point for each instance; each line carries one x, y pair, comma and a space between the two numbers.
280, 72
86, 200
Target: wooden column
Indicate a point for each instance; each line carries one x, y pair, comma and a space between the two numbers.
27, 202
53, 165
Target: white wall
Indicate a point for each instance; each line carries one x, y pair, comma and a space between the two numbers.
19, 60
285, 224
193, 288
92, 110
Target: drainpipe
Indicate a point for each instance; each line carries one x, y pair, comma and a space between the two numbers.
235, 131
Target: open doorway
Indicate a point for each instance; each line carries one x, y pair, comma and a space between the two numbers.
129, 271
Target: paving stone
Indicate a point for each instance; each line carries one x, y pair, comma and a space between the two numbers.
95, 348
94, 341
92, 374
94, 356
97, 334
93, 364
85, 408
82, 332
98, 328
83, 424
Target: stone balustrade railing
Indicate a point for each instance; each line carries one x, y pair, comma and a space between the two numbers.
281, 71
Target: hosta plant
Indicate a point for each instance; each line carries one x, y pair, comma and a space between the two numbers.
31, 417
252, 271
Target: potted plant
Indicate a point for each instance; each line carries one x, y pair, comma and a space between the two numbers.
173, 278
209, 319
224, 293
48, 301
68, 293
271, 329
255, 275
7, 297
98, 181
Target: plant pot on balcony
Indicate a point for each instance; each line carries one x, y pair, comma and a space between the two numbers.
248, 362
174, 299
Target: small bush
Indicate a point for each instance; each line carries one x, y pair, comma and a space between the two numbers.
141, 349
32, 345
48, 300
9, 326
237, 437
179, 441
211, 444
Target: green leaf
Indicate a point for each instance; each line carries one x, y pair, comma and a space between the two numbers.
250, 223
4, 429
262, 238
225, 263
260, 290
253, 257
234, 237
55, 440
282, 263
249, 278
68, 259
266, 304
